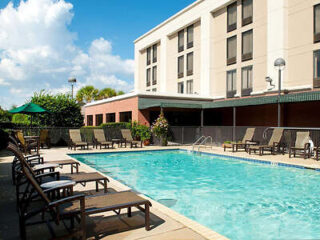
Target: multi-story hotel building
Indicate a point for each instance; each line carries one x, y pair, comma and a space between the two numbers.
216, 58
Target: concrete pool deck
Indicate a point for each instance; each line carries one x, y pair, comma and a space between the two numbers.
166, 223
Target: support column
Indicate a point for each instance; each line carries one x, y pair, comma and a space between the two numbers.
201, 123
234, 137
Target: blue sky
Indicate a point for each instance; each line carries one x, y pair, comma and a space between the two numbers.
43, 42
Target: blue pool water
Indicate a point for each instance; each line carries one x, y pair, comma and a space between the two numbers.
238, 199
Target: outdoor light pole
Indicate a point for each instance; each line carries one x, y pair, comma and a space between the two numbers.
279, 64
72, 81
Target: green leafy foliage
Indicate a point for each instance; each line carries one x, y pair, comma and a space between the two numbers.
87, 94
5, 116
64, 111
19, 118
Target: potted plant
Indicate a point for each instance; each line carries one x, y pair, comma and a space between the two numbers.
145, 134
160, 129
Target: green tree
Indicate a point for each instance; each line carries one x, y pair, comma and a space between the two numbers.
87, 94
64, 111
19, 118
107, 93
5, 116
120, 92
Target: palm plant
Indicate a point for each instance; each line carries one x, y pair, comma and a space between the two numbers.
87, 94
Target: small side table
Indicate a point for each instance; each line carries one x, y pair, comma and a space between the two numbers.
66, 185
120, 142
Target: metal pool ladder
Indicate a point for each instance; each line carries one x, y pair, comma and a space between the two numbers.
202, 142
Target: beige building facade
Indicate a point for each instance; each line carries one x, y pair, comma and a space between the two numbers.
235, 44
212, 64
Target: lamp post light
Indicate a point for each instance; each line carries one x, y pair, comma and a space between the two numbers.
72, 81
279, 64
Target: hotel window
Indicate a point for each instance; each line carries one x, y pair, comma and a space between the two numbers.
154, 75
180, 87
232, 17
110, 117
231, 83
247, 45
190, 87
181, 41
148, 77
148, 55
247, 12
190, 36
125, 116
89, 120
99, 119
189, 64
316, 20
154, 89
154, 53
316, 69
232, 50
180, 66
246, 81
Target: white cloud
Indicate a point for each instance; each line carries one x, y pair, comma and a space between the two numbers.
37, 51
4, 83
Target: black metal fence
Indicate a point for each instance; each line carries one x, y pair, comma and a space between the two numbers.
185, 135
221, 134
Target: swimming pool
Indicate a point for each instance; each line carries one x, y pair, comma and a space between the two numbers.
238, 199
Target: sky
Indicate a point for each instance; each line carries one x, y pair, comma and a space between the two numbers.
45, 42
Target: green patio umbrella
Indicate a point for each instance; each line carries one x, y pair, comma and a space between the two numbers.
29, 109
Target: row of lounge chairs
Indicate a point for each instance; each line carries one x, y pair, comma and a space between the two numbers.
99, 139
301, 145
59, 203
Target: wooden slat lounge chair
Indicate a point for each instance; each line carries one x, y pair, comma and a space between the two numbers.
301, 146
81, 177
273, 145
100, 139
76, 140
45, 138
245, 143
33, 160
26, 145
71, 207
127, 137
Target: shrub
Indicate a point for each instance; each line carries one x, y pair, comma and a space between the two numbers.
64, 111
126, 125
19, 118
5, 116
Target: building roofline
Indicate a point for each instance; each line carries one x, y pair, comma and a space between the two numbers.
150, 95
187, 8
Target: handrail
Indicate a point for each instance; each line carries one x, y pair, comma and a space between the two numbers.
197, 142
204, 141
